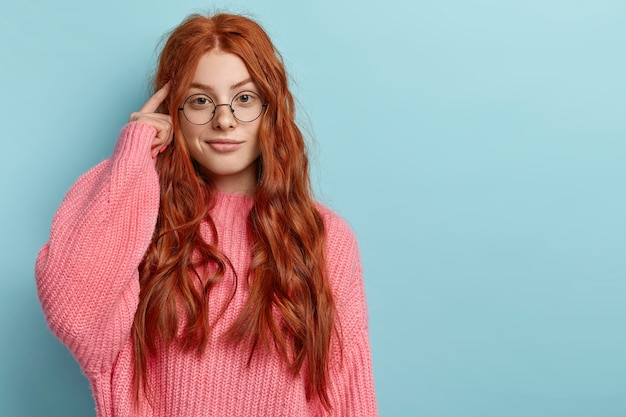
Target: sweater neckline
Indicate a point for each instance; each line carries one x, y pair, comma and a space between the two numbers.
226, 195
228, 204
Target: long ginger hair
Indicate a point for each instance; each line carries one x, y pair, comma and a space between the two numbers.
287, 273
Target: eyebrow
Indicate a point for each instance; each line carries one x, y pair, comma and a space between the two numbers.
206, 87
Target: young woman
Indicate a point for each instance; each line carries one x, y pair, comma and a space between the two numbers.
192, 274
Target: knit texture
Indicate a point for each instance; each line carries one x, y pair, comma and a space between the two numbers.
88, 285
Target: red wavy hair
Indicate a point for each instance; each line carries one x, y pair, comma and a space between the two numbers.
286, 230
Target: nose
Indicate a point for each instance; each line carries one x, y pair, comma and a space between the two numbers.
224, 119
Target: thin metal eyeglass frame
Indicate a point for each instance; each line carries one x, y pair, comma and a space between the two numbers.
215, 106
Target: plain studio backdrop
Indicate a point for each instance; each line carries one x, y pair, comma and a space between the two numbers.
477, 148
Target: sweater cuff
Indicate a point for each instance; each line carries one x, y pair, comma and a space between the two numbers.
133, 145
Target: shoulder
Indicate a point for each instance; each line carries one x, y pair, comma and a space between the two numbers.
338, 230
342, 249
345, 271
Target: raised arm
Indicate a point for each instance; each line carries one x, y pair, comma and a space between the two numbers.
87, 274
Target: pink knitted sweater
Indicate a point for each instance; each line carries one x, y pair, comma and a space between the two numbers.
87, 281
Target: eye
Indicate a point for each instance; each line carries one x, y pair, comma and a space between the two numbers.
200, 101
247, 98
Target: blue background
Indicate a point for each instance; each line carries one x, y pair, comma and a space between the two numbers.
476, 147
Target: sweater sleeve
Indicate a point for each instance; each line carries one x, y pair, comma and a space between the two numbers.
351, 382
87, 274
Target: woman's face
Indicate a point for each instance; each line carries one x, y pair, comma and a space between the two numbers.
225, 148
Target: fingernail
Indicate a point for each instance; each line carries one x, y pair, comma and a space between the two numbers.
162, 149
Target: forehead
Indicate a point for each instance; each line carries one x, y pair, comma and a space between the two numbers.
220, 70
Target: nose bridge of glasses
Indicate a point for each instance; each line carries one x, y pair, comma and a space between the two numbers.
230, 107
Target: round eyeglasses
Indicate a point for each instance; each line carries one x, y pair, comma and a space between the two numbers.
199, 109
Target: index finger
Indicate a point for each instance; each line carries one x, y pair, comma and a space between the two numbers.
157, 98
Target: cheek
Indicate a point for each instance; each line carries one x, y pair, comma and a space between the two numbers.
255, 132
189, 135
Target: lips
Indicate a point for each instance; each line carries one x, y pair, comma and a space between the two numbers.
224, 145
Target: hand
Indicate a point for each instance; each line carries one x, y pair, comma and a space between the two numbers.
161, 122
